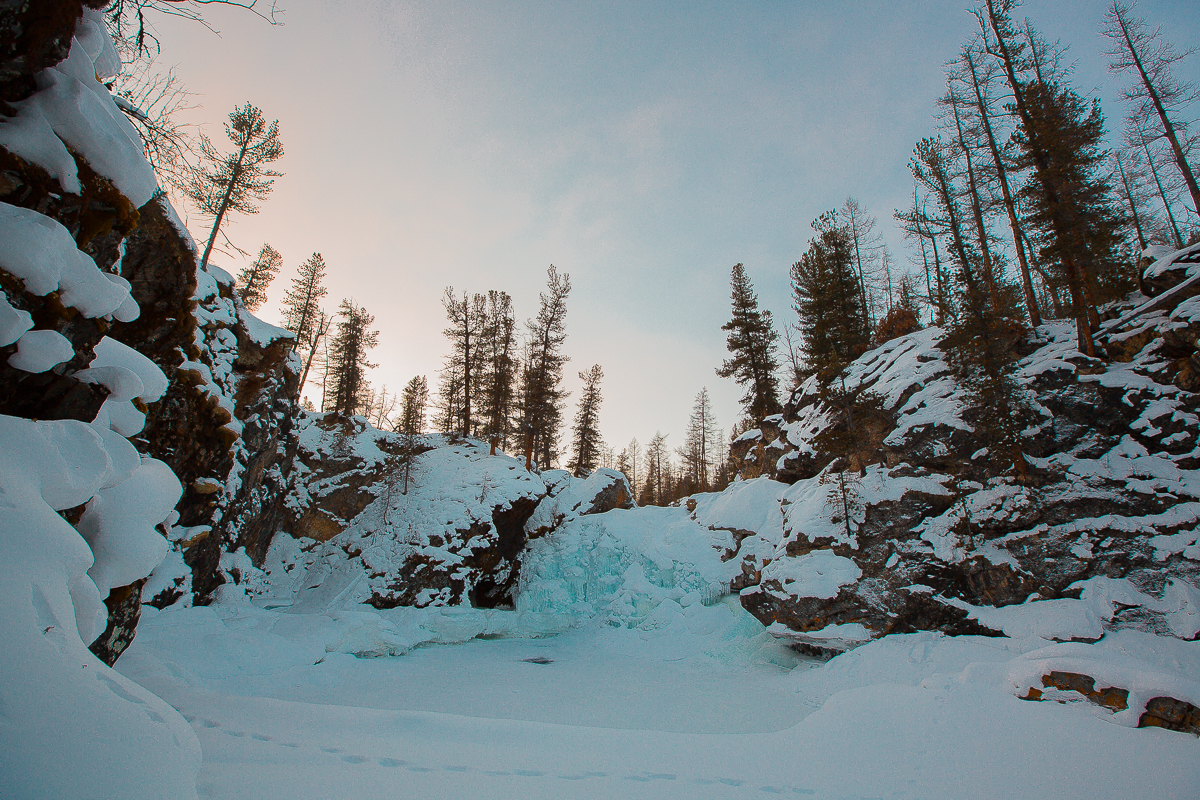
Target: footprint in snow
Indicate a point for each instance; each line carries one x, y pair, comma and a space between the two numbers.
390, 762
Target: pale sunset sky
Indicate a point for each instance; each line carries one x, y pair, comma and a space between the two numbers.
642, 147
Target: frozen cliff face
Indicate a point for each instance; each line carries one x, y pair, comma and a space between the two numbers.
82, 506
447, 526
930, 538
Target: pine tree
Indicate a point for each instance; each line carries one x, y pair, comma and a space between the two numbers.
587, 442
542, 397
239, 180
252, 282
827, 301
348, 352
752, 342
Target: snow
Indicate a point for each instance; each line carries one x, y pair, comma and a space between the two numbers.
82, 114
13, 322
62, 705
820, 573
261, 333
111, 353
119, 524
30, 136
38, 351
41, 252
703, 706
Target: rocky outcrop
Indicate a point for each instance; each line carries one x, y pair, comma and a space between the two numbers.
453, 535
223, 424
931, 535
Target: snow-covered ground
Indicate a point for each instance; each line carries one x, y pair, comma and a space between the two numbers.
694, 701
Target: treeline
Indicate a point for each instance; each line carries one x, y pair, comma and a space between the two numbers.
1019, 215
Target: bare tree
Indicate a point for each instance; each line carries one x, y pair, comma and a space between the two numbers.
1157, 93
131, 21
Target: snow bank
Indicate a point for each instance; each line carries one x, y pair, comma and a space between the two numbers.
59, 699
41, 252
38, 351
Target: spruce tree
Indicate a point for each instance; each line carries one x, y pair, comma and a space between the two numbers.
238, 180
252, 282
827, 300
586, 440
348, 353
752, 343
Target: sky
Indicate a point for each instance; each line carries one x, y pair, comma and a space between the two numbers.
642, 148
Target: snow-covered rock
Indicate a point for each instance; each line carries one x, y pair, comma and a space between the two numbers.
931, 537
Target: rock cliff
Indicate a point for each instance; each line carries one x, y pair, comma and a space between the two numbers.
931, 536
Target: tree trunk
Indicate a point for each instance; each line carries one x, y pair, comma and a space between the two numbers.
1042, 169
1031, 305
1137, 220
1168, 129
221, 209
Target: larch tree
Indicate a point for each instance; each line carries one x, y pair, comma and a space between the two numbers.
656, 485
980, 344
1137, 139
752, 344
979, 76
239, 180
1157, 93
632, 455
302, 313
498, 381
866, 243
542, 396
252, 282
1059, 140
348, 357
700, 445
586, 443
464, 363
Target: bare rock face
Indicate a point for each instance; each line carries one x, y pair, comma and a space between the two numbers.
933, 536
